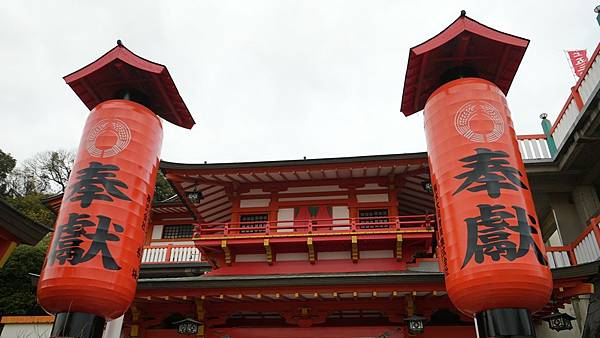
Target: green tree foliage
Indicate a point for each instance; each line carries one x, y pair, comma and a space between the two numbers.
7, 164
31, 206
17, 294
25, 187
163, 188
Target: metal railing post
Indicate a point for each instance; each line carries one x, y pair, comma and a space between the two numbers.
547, 127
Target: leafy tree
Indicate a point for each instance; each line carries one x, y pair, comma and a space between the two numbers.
22, 182
31, 206
25, 187
7, 164
51, 169
45, 173
163, 188
17, 294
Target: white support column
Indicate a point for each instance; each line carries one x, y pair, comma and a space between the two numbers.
113, 328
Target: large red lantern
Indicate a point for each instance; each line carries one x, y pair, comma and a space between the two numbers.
490, 243
100, 230
91, 270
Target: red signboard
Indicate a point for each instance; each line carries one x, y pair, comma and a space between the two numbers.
578, 60
94, 258
491, 245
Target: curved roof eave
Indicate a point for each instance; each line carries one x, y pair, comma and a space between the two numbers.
166, 165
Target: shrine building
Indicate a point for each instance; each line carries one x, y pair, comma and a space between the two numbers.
349, 246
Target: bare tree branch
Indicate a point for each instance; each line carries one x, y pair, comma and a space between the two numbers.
51, 169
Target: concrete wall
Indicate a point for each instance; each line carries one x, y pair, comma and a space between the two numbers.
26, 331
567, 218
586, 201
543, 331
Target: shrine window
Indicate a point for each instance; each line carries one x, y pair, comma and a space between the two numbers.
369, 218
257, 221
178, 231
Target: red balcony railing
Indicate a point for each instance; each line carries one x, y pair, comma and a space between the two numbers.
585, 249
534, 147
331, 226
581, 94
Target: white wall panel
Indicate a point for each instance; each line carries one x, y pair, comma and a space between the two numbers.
372, 198
157, 231
258, 203
340, 212
283, 215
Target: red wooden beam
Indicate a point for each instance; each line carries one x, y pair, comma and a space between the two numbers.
257, 178
296, 175
191, 206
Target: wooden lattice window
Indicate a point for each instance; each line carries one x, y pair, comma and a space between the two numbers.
253, 221
177, 231
373, 216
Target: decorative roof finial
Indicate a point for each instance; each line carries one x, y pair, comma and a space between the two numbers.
119, 42
463, 13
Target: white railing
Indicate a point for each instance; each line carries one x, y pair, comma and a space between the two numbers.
533, 147
583, 90
170, 254
584, 249
558, 257
565, 122
590, 79
587, 250
184, 254
154, 254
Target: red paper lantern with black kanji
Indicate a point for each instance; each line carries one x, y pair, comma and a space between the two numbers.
491, 245
94, 258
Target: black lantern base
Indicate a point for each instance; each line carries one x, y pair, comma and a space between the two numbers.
77, 325
504, 323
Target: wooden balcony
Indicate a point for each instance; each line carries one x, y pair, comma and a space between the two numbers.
315, 227
585, 249
390, 238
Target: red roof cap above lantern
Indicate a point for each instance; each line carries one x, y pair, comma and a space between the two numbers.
465, 46
121, 70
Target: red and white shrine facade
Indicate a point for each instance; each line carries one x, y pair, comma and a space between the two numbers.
346, 247
340, 247
349, 247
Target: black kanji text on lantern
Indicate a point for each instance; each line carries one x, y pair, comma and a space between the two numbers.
489, 234
97, 182
489, 171
69, 237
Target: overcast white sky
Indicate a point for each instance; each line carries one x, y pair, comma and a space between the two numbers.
269, 80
